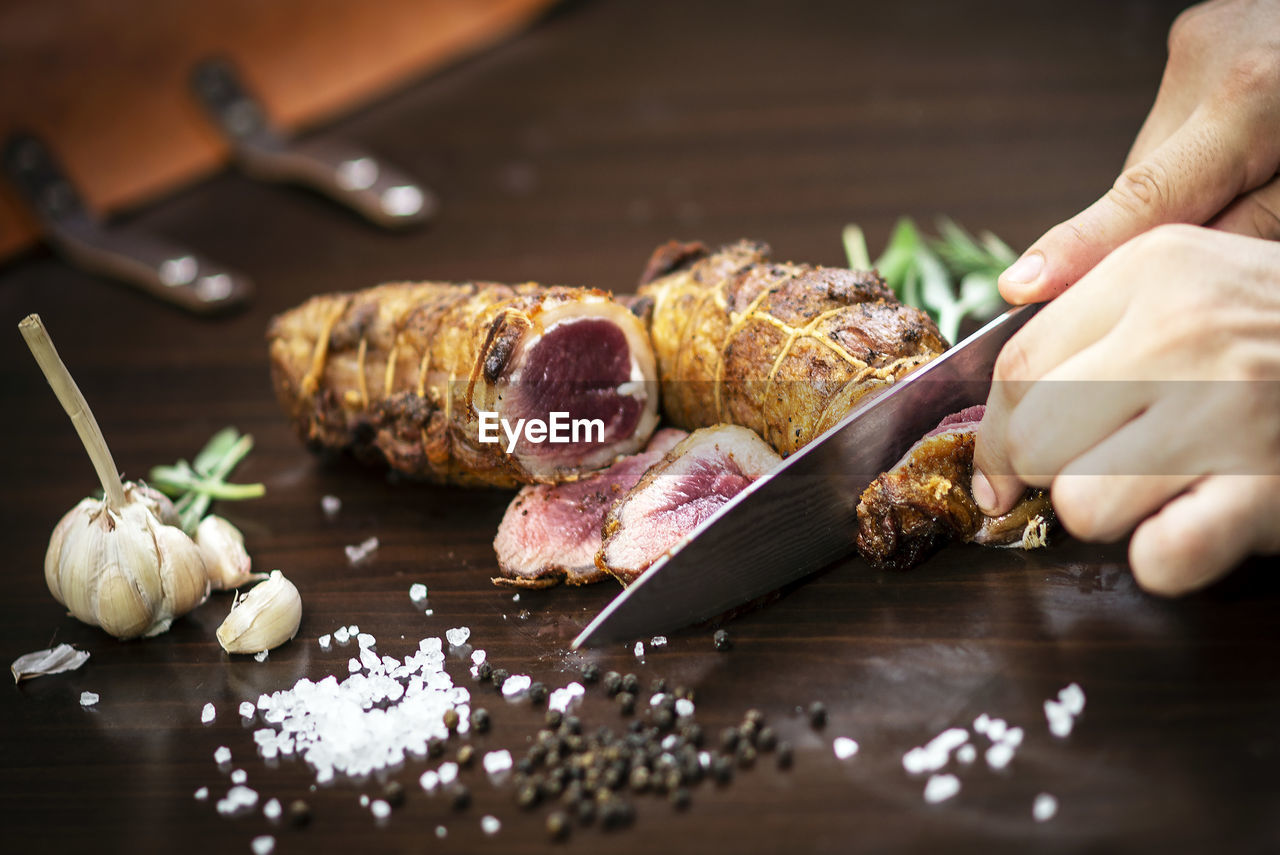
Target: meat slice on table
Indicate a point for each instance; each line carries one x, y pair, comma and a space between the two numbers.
784, 349
689, 484
403, 372
552, 532
924, 501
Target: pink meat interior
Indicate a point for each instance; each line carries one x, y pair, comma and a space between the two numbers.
577, 368
690, 497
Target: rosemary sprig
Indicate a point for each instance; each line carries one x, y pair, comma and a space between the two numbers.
195, 485
952, 276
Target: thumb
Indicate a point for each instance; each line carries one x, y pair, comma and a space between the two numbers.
1187, 179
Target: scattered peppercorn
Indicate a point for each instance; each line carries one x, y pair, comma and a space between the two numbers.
484, 670
459, 796
767, 739
746, 755
817, 714
784, 755
586, 812
728, 739
572, 724
553, 718
680, 798
639, 779
450, 720
657, 686
435, 747
627, 703
299, 813
590, 672
528, 796
631, 683
466, 754
613, 682
692, 734
558, 825
480, 720
537, 694
393, 793
722, 769
754, 716
722, 640
499, 676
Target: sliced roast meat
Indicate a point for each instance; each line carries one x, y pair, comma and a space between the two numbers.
551, 533
694, 479
924, 501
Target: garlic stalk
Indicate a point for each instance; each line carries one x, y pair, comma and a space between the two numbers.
264, 618
113, 562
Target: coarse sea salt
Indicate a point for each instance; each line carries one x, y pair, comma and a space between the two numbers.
366, 641
639, 650
844, 747
263, 844
222, 754
684, 707
442, 832
330, 505
658, 641
448, 773
88, 699
417, 592
966, 754
362, 550
1044, 808
202, 794
1072, 697
497, 762
429, 780
562, 699
490, 824
207, 714
261, 656
995, 731
939, 788
324, 641
239, 776
1059, 717
238, 800
272, 810
380, 809
515, 685
247, 710
999, 755
457, 636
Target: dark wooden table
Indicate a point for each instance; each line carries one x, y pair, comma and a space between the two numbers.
565, 156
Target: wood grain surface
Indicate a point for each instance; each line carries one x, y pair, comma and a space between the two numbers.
565, 156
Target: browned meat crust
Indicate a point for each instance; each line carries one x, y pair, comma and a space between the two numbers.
399, 372
784, 349
924, 501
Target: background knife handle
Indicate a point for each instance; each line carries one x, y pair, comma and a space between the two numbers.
346, 173
160, 268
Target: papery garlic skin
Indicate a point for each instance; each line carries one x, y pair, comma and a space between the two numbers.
124, 570
225, 559
264, 618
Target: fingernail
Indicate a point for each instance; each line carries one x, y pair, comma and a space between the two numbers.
1025, 270
983, 494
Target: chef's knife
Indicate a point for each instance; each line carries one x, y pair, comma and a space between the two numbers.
803, 515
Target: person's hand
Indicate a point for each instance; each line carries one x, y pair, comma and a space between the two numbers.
1148, 395
1207, 154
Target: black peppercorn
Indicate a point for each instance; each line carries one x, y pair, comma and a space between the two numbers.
639, 779
459, 796
658, 686
450, 720
680, 798
722, 640
817, 714
480, 720
553, 718
631, 683
435, 747
722, 769
692, 734
466, 754
665, 719
728, 739
558, 825
586, 812
754, 717
537, 694
766, 739
784, 755
393, 793
484, 670
746, 754
626, 703
528, 796
613, 682
299, 813
499, 676
571, 724
590, 672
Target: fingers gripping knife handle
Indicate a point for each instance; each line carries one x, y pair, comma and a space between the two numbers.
164, 270
347, 174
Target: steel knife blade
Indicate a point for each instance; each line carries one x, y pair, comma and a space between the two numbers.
803, 515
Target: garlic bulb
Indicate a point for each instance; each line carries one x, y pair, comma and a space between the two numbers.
113, 562
225, 559
264, 618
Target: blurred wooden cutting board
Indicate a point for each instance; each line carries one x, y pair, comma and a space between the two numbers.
106, 81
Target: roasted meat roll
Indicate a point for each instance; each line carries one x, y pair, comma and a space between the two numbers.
407, 372
784, 349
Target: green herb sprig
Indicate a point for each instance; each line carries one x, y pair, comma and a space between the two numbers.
951, 276
193, 486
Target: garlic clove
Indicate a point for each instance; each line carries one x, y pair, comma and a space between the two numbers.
264, 618
225, 559
158, 502
183, 576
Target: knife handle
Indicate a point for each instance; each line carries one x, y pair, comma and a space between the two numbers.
347, 174
162, 269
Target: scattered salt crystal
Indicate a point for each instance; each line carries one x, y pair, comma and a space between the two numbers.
656, 699
324, 775
1044, 808
364, 639
261, 656
353, 630
430, 645
239, 776
639, 650
324, 641
948, 740
704, 759
417, 592
939, 788
497, 762
264, 701
364, 800
263, 844
477, 656
1060, 720
88, 699
1013, 737
844, 747
1072, 698
999, 755
353, 666
331, 505
490, 824
516, 684
247, 710
222, 755
442, 832
684, 707
936, 753
429, 613
981, 723
429, 781
202, 794
207, 714
341, 635
515, 598
457, 636
361, 551
966, 753
995, 731
271, 810
380, 809
658, 641
448, 773
562, 699
669, 741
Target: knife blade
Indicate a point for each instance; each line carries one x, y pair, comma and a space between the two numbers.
803, 515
